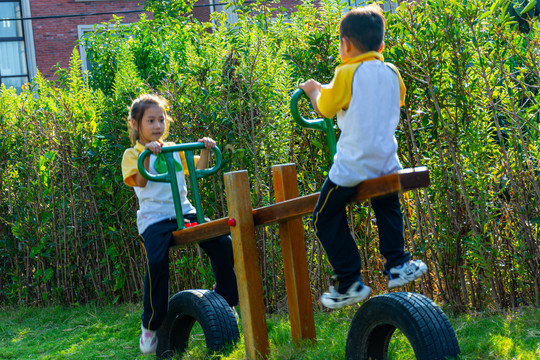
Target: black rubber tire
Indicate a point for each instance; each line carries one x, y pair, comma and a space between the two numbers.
423, 323
206, 307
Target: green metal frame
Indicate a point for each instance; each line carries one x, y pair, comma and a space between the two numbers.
194, 175
321, 124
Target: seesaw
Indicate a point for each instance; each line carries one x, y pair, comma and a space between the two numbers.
419, 319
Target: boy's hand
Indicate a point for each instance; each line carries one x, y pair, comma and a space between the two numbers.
154, 146
208, 142
312, 89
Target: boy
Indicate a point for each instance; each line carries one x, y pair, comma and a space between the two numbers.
366, 94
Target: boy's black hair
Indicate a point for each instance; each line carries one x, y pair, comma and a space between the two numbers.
364, 27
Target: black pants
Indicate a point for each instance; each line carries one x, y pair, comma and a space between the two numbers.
332, 230
156, 241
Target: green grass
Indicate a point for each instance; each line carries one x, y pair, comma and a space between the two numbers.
111, 332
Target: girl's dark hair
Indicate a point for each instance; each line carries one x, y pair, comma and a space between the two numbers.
364, 27
136, 112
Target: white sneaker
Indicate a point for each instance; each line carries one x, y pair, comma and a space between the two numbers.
148, 342
404, 274
235, 313
355, 294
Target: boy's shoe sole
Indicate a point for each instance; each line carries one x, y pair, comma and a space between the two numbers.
402, 276
335, 300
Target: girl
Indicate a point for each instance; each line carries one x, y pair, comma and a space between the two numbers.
156, 219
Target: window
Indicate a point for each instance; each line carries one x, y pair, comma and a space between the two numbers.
221, 5
387, 5
390, 5
81, 30
13, 65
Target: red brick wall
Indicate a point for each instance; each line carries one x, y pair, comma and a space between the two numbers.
55, 38
202, 13
287, 4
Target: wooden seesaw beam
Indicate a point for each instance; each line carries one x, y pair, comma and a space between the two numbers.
403, 180
287, 212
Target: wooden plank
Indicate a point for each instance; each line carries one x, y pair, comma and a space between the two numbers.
414, 178
293, 248
201, 232
380, 186
384, 185
246, 264
392, 183
285, 210
403, 180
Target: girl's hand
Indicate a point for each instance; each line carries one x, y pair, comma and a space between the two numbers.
203, 159
208, 142
154, 147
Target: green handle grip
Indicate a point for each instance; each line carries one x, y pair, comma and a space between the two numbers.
321, 124
170, 177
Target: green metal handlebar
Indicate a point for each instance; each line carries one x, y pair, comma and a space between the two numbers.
321, 124
170, 176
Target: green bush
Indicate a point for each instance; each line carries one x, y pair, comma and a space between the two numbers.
67, 229
472, 118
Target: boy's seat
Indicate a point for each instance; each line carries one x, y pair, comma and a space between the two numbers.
401, 181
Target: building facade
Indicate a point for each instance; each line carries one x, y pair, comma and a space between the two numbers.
41, 34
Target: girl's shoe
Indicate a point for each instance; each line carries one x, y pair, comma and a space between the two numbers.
148, 342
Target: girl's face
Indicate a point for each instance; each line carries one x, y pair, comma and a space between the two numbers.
152, 125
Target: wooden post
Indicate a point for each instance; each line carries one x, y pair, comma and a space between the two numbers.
246, 263
291, 233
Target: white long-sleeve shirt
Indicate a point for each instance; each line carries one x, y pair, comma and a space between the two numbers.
155, 199
366, 94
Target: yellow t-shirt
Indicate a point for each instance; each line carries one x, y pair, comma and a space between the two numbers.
131, 156
336, 96
155, 199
